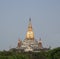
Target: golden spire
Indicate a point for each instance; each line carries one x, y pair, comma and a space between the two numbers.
30, 33
30, 25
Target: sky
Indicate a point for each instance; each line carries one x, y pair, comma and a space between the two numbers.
14, 19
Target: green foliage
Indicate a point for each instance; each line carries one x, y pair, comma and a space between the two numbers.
10, 57
55, 53
3, 57
52, 54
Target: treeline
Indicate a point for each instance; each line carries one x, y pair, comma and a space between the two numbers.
51, 54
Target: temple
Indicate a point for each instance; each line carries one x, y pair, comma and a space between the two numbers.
30, 43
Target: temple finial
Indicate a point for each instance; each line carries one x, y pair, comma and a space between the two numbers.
29, 19
30, 25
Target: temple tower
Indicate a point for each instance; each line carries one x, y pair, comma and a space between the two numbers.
40, 43
30, 33
19, 43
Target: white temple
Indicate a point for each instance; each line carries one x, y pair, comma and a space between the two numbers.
29, 43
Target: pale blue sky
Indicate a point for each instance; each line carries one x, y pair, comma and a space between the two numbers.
14, 18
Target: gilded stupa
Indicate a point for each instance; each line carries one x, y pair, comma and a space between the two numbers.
30, 33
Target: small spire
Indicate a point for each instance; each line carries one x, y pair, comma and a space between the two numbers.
40, 43
30, 25
30, 22
30, 19
19, 43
